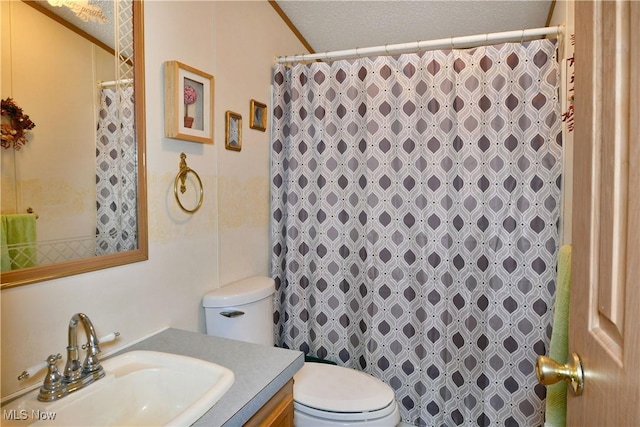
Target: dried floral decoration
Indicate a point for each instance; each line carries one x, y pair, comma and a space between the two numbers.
190, 97
15, 128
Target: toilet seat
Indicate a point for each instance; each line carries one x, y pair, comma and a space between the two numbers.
346, 416
335, 393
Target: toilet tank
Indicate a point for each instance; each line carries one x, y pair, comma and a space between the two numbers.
242, 310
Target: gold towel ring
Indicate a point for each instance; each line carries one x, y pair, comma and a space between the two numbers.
181, 178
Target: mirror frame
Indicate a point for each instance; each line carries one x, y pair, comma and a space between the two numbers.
26, 276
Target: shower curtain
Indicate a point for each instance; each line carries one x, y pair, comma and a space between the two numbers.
415, 209
116, 173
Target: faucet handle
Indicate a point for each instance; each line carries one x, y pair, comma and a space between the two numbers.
52, 387
53, 376
91, 363
37, 368
105, 339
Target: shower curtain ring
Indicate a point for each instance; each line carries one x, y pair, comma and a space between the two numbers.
522, 38
451, 42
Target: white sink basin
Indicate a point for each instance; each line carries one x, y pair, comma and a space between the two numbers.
140, 388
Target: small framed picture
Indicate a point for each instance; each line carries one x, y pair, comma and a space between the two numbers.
233, 131
258, 118
188, 104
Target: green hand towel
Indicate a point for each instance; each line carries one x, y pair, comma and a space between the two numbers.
556, 406
19, 235
4, 256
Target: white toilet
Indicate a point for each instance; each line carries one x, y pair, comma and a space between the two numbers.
323, 394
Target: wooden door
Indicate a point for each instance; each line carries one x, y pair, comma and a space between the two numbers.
605, 288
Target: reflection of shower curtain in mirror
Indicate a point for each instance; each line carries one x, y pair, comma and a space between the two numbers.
116, 169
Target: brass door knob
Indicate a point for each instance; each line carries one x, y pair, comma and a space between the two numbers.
550, 372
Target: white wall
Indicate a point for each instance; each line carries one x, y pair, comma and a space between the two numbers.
188, 254
244, 191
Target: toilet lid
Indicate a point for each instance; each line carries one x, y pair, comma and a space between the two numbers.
337, 389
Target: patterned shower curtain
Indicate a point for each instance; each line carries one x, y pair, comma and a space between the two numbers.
116, 173
415, 209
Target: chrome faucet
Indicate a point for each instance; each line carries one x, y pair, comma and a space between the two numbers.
78, 375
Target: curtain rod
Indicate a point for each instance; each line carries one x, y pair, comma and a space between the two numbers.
116, 82
463, 42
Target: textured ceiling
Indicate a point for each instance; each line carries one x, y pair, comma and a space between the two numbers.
337, 25
103, 31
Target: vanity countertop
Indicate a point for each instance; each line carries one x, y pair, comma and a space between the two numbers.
260, 370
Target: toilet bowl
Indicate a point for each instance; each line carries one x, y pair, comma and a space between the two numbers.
323, 395
329, 395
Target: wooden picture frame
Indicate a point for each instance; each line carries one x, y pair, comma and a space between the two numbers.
188, 103
258, 117
233, 131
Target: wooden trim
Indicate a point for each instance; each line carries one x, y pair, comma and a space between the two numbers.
552, 8
291, 26
141, 127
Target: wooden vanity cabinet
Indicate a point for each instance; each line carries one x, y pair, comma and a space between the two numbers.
277, 412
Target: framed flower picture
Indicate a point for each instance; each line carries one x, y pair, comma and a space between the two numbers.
188, 104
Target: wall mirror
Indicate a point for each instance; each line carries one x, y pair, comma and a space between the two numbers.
74, 195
